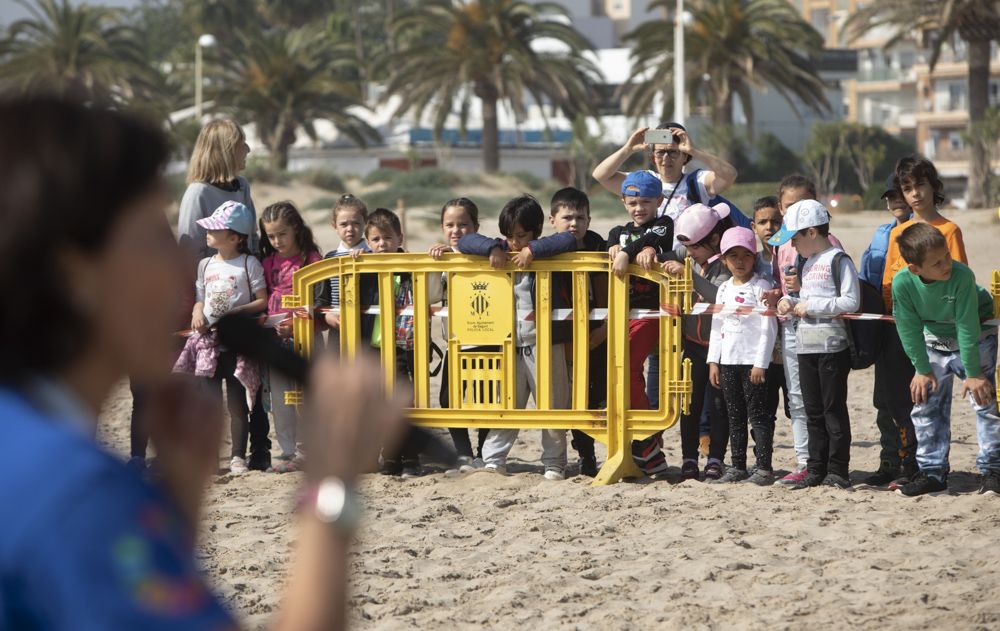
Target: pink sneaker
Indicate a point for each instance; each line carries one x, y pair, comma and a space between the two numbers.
794, 477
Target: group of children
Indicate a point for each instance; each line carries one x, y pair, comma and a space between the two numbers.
741, 361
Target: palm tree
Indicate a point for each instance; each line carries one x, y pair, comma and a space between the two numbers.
284, 80
739, 45
977, 22
449, 51
84, 51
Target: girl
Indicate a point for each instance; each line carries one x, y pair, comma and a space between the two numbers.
230, 281
459, 217
289, 245
739, 352
349, 217
700, 231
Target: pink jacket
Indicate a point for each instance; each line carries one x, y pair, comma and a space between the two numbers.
201, 356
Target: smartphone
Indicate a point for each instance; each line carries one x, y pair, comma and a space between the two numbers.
659, 137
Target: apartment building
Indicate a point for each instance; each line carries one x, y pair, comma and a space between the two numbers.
894, 87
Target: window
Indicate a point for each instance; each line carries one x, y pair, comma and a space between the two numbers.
820, 20
956, 97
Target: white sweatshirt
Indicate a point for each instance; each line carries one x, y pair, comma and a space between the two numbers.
817, 332
742, 340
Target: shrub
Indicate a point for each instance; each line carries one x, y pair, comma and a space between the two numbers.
432, 177
322, 178
260, 173
381, 175
531, 182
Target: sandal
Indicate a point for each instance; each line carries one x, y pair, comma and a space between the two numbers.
287, 466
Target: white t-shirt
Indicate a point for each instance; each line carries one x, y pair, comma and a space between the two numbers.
222, 285
817, 333
742, 340
675, 198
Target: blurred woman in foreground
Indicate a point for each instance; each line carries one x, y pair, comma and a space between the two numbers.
91, 276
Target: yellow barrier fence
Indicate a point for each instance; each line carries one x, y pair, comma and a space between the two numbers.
995, 290
481, 312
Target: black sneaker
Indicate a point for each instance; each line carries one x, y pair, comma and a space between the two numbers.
906, 473
259, 461
588, 466
991, 483
887, 472
922, 484
689, 470
391, 467
714, 471
811, 480
836, 481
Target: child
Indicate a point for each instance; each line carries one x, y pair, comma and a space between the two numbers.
640, 241
521, 222
384, 234
739, 352
230, 281
288, 246
822, 343
569, 211
459, 217
349, 217
938, 308
893, 372
700, 231
767, 221
794, 188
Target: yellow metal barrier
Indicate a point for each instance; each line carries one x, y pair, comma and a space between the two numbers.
481, 312
995, 290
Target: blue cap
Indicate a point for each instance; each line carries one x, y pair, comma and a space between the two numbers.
642, 184
890, 184
230, 216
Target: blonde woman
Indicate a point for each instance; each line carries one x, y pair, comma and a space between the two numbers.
220, 153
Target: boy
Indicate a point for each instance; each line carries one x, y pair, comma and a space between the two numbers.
821, 343
569, 211
384, 235
891, 396
766, 222
640, 241
938, 308
521, 222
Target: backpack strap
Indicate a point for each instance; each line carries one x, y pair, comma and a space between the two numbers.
693, 194
835, 270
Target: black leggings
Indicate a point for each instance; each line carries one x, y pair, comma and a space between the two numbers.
719, 425
746, 401
243, 422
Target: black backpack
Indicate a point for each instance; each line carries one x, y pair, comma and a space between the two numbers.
865, 336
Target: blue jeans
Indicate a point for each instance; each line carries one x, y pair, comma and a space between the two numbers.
932, 420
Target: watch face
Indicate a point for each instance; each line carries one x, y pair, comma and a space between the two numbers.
330, 499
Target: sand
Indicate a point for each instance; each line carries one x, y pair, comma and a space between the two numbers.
484, 551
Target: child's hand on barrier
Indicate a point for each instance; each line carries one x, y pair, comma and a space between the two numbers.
674, 268
646, 258
598, 336
524, 258
757, 375
356, 253
801, 310
198, 321
498, 258
332, 320
919, 385
620, 264
784, 306
613, 251
284, 328
772, 297
713, 376
980, 387
437, 250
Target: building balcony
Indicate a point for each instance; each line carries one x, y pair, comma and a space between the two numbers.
886, 75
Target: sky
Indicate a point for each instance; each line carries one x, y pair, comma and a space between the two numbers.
11, 11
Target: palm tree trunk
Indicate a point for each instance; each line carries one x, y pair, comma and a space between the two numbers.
491, 144
977, 195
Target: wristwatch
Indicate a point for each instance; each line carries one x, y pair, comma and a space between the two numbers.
335, 503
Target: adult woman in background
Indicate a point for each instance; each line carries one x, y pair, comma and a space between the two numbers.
91, 277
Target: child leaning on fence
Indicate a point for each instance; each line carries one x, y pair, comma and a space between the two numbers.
938, 309
350, 215
739, 352
521, 222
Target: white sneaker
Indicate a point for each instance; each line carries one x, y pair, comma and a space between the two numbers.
238, 466
554, 474
464, 464
500, 469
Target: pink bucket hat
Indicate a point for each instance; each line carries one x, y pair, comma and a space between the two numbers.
698, 220
738, 237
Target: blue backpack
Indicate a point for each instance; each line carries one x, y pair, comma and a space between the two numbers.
739, 219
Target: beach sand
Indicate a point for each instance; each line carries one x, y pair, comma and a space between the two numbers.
484, 551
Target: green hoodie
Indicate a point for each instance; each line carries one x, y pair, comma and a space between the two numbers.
950, 309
